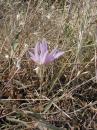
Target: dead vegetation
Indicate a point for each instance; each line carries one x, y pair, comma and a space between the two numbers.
68, 99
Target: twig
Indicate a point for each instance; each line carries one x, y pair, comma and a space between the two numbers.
18, 121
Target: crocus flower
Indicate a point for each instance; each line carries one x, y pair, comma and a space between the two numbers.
41, 55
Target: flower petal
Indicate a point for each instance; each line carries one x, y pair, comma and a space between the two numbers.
40, 53
37, 51
58, 54
43, 47
49, 59
43, 58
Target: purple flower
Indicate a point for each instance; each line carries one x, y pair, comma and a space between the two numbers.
41, 55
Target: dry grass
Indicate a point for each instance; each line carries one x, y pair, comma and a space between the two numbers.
68, 99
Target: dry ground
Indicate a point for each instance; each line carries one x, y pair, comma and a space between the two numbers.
68, 99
